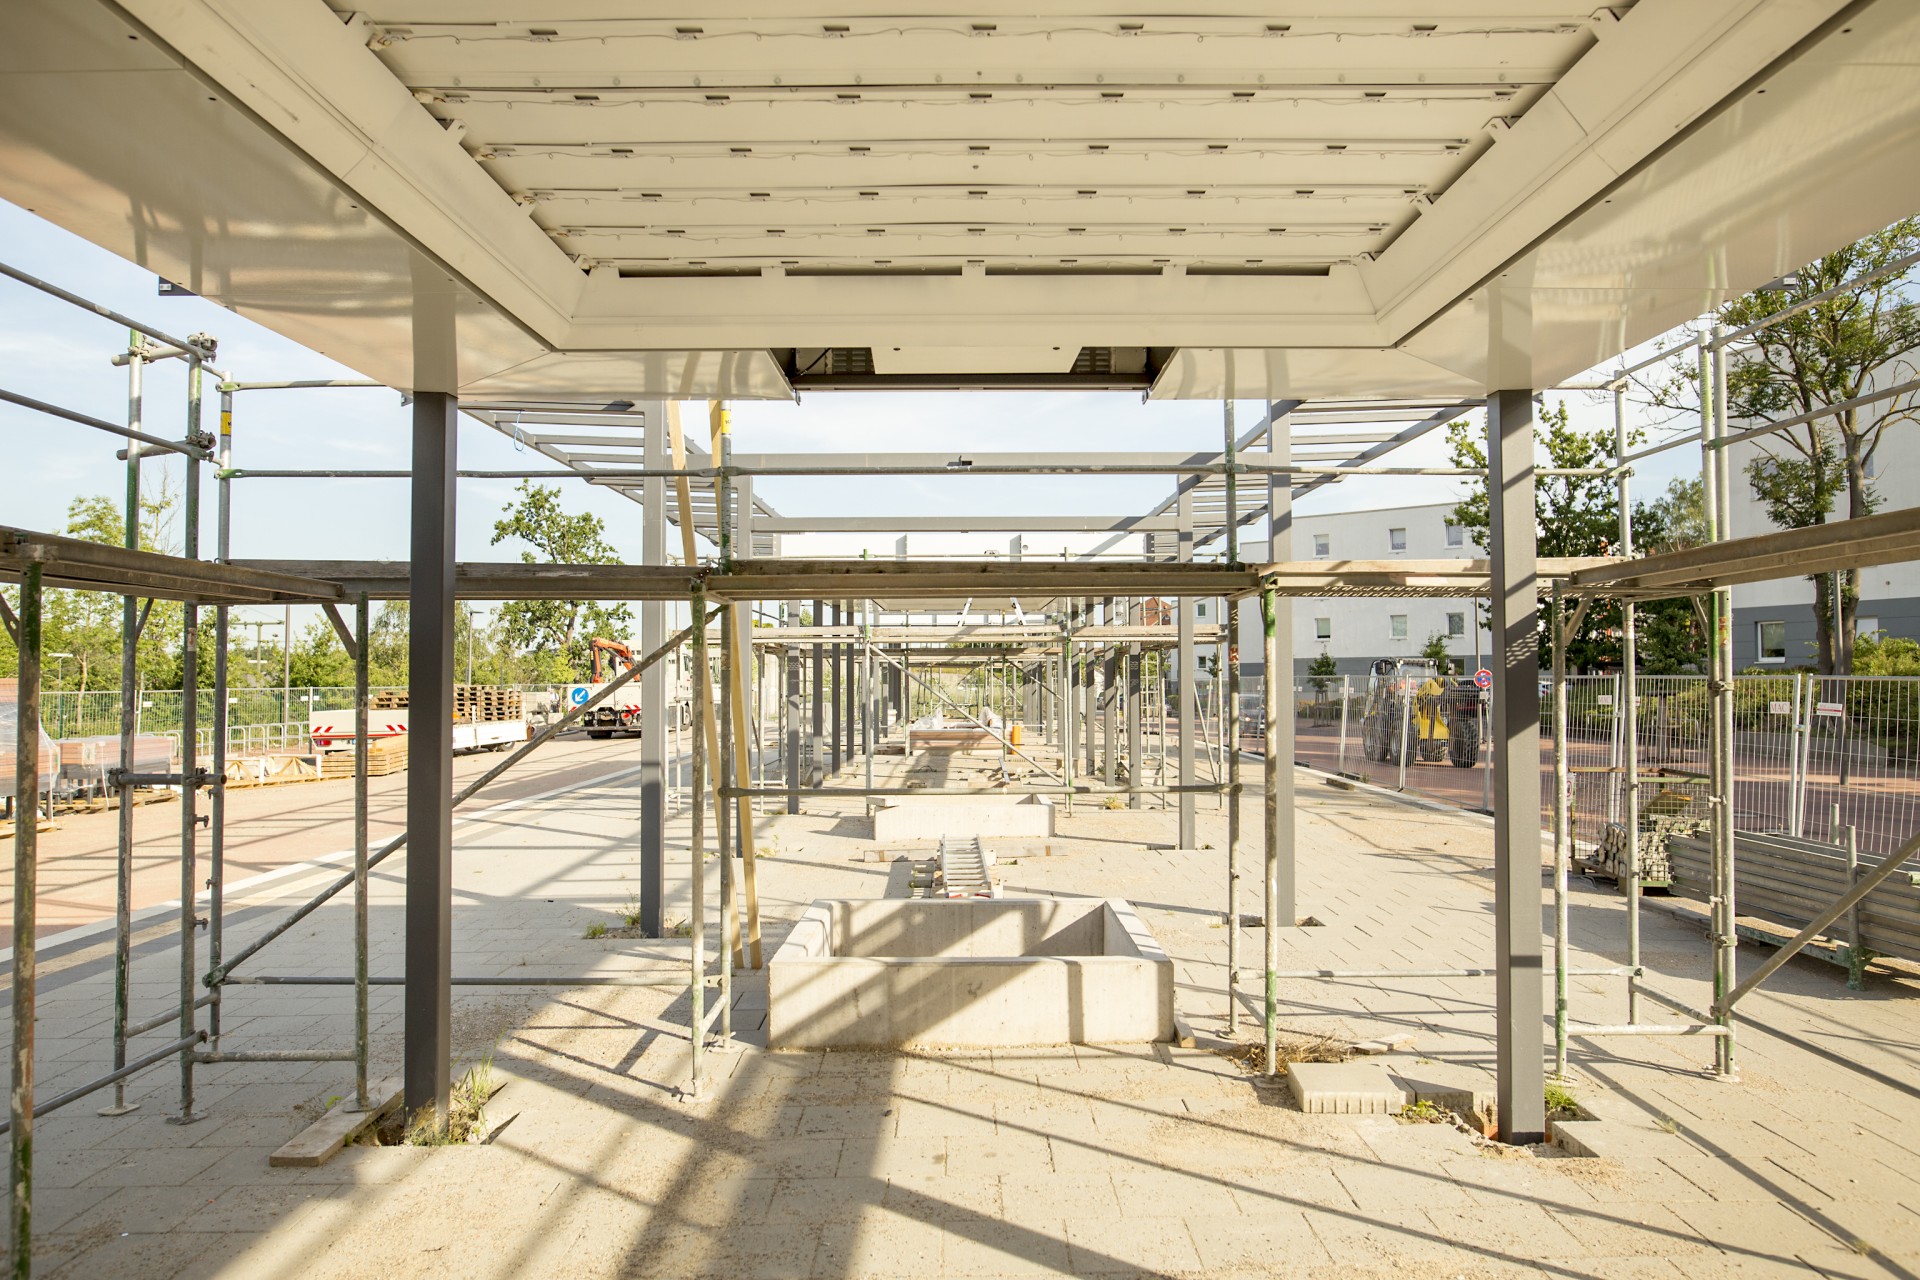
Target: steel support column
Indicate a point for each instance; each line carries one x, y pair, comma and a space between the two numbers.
1279, 670
833, 696
653, 684
818, 697
1184, 672
1136, 752
429, 912
791, 748
1516, 762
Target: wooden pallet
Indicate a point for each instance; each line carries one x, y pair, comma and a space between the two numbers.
271, 771
388, 700
389, 755
481, 702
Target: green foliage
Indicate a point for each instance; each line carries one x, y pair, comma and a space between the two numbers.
1573, 516
86, 625
1886, 656
1435, 650
1672, 634
1321, 672
555, 632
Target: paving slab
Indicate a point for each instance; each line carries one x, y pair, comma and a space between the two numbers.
1103, 1160
1345, 1088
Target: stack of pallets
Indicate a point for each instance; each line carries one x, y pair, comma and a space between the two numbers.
478, 703
384, 756
388, 700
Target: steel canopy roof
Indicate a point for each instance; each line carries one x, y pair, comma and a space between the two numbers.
584, 198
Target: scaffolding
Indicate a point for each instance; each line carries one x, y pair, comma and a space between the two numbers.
1082, 674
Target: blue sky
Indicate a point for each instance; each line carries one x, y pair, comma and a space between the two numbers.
58, 353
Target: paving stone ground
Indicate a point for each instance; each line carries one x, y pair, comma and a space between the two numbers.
1130, 1160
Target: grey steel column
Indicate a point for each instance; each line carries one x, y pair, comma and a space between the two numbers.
1184, 673
1109, 713
1279, 664
847, 692
1089, 760
839, 679
1518, 1007
819, 689
1136, 757
430, 758
792, 748
653, 682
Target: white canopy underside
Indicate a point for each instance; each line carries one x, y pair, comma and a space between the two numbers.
589, 199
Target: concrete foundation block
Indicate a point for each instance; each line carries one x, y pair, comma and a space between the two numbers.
1345, 1088
877, 973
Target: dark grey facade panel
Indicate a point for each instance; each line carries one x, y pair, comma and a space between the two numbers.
1894, 616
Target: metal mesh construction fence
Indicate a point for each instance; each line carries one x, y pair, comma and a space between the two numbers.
1813, 755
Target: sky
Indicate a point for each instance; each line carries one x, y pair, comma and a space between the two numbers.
58, 353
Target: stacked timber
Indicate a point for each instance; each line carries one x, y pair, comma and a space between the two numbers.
480, 703
274, 770
384, 756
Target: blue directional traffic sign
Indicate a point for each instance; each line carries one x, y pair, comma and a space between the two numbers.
577, 695
1483, 678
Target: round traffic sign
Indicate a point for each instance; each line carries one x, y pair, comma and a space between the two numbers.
1483, 678
577, 695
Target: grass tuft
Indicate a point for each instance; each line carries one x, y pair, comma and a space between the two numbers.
598, 929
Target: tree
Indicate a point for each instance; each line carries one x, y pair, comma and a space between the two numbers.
86, 624
556, 631
1574, 515
1671, 634
1435, 651
1834, 351
1321, 671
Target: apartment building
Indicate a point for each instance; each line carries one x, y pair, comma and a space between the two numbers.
1357, 631
1773, 621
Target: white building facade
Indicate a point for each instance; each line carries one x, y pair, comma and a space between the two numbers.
1773, 621
1357, 631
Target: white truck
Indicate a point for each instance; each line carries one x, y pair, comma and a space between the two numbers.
333, 731
620, 713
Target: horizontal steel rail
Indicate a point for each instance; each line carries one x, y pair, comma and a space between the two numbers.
150, 1059
182, 447
105, 313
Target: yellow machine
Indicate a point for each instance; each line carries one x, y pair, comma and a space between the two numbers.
1437, 716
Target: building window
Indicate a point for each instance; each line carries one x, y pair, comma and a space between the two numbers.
1456, 536
1397, 539
1323, 628
1201, 611
1773, 641
1456, 624
1322, 545
1397, 626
